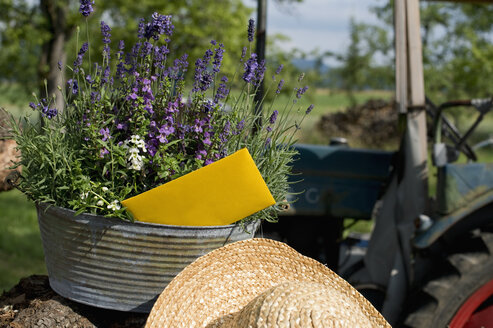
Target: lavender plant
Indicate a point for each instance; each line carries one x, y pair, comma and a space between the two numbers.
130, 124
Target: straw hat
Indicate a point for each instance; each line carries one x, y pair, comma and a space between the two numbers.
260, 283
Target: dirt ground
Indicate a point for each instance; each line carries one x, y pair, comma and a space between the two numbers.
33, 304
372, 124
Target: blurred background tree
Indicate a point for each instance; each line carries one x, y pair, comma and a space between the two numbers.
36, 35
457, 51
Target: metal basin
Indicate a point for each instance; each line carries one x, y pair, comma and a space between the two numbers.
113, 264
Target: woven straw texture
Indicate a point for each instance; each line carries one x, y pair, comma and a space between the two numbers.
260, 283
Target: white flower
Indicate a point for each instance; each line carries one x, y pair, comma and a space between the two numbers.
141, 144
134, 138
84, 195
100, 203
115, 206
104, 189
137, 166
135, 158
133, 150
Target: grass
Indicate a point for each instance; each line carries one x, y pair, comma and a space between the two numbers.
20, 242
326, 101
14, 99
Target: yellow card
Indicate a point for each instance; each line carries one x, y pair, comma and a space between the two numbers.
220, 193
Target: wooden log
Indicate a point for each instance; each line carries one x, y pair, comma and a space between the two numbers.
32, 303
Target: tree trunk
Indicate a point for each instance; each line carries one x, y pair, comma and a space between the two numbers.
51, 66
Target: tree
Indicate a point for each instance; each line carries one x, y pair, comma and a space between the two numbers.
366, 62
35, 36
457, 50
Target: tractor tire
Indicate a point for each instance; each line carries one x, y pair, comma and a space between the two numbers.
459, 290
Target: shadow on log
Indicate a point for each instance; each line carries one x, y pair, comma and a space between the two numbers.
32, 303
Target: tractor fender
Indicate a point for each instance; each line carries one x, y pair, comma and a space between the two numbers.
476, 213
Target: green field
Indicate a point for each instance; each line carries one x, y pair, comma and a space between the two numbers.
20, 243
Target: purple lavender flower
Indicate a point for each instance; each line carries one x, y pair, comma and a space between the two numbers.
103, 152
152, 146
121, 126
279, 69
105, 132
73, 86
208, 161
160, 56
46, 111
259, 72
239, 127
250, 69
218, 57
198, 126
120, 67
301, 91
164, 131
225, 133
159, 25
147, 48
200, 153
177, 72
202, 78
80, 56
251, 29
141, 28
207, 141
105, 32
273, 117
204, 81
132, 96
279, 86
309, 109
60, 65
95, 97
243, 53
86, 7
106, 75
49, 112
222, 91
207, 57
148, 96
120, 70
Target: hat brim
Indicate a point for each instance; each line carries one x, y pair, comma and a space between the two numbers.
225, 280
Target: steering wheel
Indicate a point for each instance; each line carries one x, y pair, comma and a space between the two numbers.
443, 126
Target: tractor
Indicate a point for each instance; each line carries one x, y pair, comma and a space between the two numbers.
429, 260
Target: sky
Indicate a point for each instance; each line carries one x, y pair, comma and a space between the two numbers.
312, 24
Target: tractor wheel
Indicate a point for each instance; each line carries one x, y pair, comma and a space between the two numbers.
459, 291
